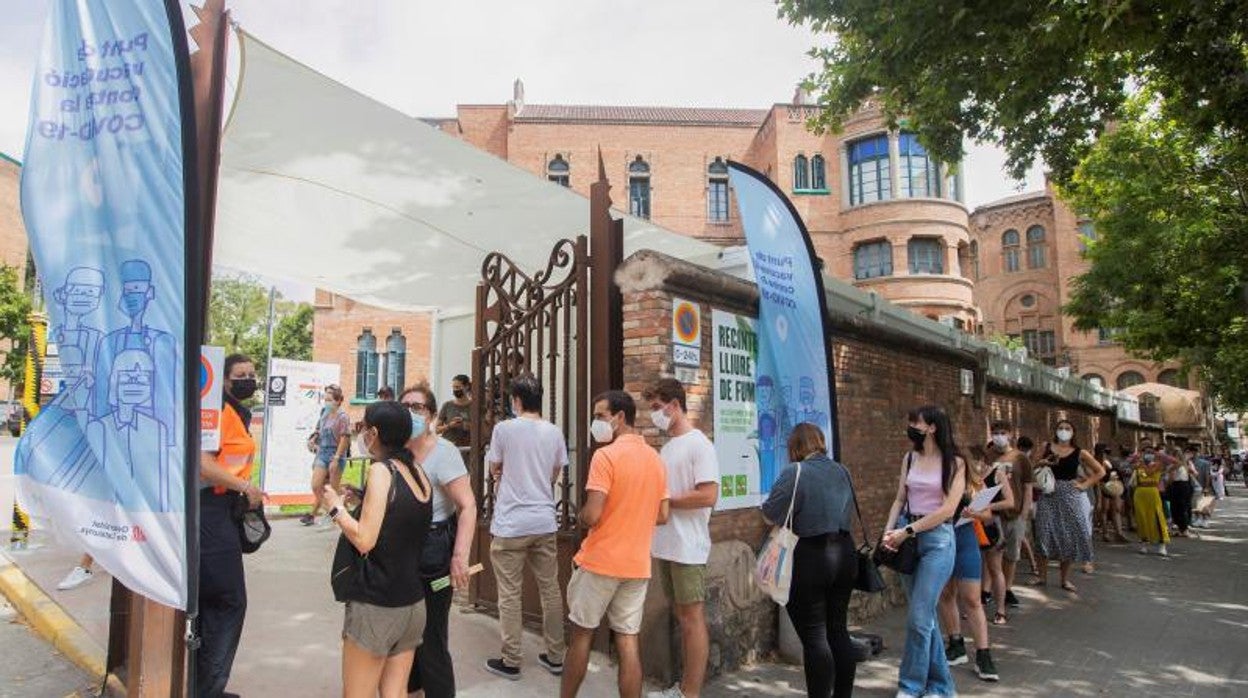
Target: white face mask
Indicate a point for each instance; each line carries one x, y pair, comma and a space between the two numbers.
1065, 435
601, 430
1001, 441
660, 419
361, 445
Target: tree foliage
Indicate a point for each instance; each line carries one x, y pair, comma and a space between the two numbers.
14, 324
239, 309
1170, 262
1040, 78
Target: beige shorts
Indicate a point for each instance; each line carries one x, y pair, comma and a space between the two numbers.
1013, 531
685, 584
591, 596
383, 631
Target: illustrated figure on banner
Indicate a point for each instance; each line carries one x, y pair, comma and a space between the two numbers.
78, 297
768, 433
808, 412
128, 430
137, 293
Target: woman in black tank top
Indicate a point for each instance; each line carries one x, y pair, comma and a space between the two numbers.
376, 568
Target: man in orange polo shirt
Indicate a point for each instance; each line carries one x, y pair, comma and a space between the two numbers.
625, 498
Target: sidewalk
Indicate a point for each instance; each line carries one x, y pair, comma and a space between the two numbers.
1138, 626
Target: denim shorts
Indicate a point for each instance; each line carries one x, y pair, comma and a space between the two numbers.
967, 563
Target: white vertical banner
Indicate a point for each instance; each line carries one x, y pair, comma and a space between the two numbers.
295, 405
734, 351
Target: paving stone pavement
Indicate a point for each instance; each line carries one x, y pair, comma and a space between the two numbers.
1139, 626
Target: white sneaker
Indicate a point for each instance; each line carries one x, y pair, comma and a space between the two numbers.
671, 692
76, 578
1161, 550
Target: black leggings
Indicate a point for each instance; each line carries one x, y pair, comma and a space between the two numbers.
1181, 504
824, 569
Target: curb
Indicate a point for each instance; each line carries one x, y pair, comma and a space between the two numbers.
51, 621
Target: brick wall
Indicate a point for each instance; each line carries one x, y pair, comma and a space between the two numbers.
879, 377
337, 325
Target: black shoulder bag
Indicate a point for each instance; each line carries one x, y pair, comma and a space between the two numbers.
905, 559
868, 578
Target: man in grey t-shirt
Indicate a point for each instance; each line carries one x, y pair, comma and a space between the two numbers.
526, 456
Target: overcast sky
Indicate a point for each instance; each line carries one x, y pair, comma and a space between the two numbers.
425, 57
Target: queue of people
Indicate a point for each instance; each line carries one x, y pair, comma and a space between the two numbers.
974, 514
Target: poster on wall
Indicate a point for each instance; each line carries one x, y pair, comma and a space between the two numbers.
295, 390
735, 351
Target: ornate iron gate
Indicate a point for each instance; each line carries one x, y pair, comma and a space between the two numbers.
545, 324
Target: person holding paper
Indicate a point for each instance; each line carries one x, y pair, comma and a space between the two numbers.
447, 546
972, 517
998, 476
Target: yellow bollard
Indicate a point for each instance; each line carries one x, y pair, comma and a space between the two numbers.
19, 537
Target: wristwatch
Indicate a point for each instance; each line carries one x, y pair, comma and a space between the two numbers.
333, 513
910, 531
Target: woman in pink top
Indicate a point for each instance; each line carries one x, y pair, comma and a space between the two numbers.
931, 483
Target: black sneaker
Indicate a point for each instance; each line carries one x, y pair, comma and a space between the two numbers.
985, 597
496, 667
984, 667
1011, 600
955, 653
307, 519
555, 668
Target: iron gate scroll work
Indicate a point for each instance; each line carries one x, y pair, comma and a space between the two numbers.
531, 324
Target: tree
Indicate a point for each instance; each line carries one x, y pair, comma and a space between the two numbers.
1038, 77
14, 325
1170, 258
239, 321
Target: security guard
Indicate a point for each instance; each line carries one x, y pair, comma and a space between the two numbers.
225, 476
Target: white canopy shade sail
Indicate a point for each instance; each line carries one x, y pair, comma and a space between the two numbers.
322, 185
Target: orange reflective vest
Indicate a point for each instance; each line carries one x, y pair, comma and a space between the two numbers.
238, 449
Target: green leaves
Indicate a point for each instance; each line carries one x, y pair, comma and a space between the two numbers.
239, 310
14, 325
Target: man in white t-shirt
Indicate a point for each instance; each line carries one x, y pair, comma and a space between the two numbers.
527, 454
682, 545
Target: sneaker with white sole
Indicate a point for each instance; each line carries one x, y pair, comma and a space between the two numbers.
555, 668
670, 692
498, 668
1161, 550
76, 578
984, 666
955, 653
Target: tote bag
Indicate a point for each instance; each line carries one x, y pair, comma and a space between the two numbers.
774, 569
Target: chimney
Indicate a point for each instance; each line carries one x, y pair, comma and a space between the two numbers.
517, 97
801, 96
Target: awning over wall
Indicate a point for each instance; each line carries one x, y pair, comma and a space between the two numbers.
323, 185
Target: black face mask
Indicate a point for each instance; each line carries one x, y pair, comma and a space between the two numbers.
917, 437
243, 388
459, 394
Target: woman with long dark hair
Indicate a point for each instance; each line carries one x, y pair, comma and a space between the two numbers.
824, 564
1063, 528
376, 569
931, 483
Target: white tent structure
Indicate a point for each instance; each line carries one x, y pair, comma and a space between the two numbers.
323, 185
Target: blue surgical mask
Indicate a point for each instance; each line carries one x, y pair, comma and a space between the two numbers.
134, 302
419, 423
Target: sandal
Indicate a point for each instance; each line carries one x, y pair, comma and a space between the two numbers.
1000, 619
1067, 586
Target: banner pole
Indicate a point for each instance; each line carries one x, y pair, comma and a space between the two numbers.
268, 364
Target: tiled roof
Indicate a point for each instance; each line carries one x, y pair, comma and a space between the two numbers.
689, 116
1010, 200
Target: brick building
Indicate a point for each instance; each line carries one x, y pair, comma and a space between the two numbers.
14, 251
1024, 252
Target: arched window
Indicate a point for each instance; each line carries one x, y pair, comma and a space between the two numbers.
1010, 249
559, 171
927, 256
639, 188
1095, 379
396, 360
717, 191
920, 175
1128, 379
366, 365
868, 170
801, 176
818, 174
872, 259
1172, 377
1036, 247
